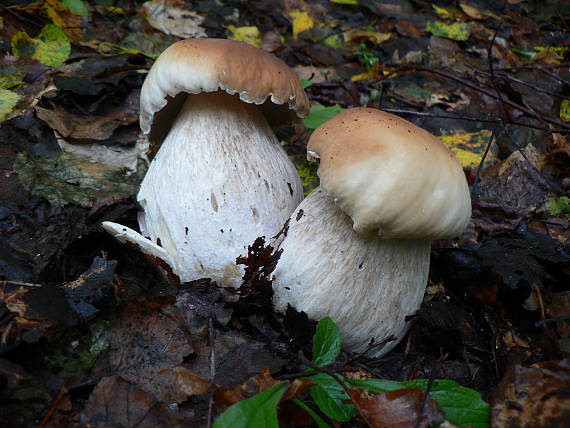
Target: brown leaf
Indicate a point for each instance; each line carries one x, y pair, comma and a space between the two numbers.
190, 383
83, 127
535, 396
145, 344
402, 408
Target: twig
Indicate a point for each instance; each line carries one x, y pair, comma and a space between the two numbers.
370, 347
531, 85
320, 369
473, 119
20, 17
485, 92
554, 76
424, 401
480, 167
547, 320
490, 61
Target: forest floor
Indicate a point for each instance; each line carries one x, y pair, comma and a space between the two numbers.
95, 334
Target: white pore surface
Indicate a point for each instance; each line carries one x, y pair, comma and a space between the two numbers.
219, 181
366, 284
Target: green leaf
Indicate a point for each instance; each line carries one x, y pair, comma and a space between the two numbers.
305, 83
462, 406
51, 48
326, 342
350, 2
559, 206
257, 411
76, 6
329, 396
456, 31
320, 422
320, 114
8, 101
565, 110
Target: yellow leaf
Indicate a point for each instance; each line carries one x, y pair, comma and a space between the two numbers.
449, 12
565, 110
359, 36
8, 101
51, 48
57, 13
468, 147
301, 22
471, 11
455, 31
250, 35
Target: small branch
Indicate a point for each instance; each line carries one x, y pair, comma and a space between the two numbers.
473, 119
480, 167
490, 61
20, 17
320, 369
370, 347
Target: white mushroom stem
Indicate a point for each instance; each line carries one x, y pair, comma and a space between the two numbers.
366, 284
219, 181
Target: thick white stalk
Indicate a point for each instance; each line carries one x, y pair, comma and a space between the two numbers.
219, 181
366, 284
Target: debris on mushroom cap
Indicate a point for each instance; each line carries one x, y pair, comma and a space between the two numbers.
206, 65
391, 176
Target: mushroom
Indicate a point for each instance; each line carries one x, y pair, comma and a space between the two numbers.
357, 248
221, 178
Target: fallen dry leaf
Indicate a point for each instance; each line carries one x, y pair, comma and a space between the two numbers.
533, 397
403, 408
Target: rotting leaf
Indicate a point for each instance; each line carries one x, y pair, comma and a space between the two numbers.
462, 406
398, 409
457, 31
84, 127
168, 17
534, 396
190, 383
66, 179
145, 344
51, 48
57, 13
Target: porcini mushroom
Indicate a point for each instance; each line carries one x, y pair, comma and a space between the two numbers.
357, 248
221, 178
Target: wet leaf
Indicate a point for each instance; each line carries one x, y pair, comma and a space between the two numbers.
168, 17
462, 406
398, 409
302, 21
84, 127
76, 6
331, 397
320, 114
249, 34
258, 411
456, 31
51, 48
534, 396
326, 342
8, 101
57, 13
66, 179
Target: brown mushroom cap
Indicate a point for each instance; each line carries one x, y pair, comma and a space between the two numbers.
391, 176
206, 65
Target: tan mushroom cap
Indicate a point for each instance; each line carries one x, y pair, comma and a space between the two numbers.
391, 176
206, 65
